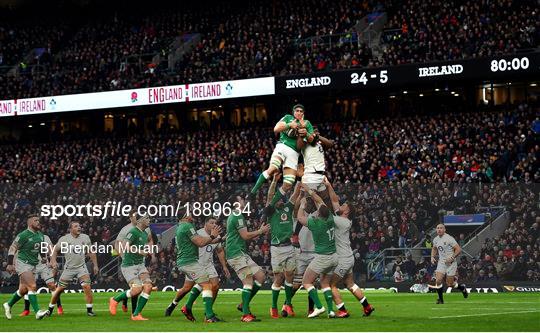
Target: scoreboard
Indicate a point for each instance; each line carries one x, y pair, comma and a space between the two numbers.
513, 66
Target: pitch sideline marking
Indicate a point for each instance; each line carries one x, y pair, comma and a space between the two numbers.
483, 314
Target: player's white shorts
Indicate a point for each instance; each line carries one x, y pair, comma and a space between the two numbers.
207, 269
302, 262
195, 272
244, 266
288, 155
324, 263
70, 273
283, 258
45, 272
21, 267
132, 274
314, 181
345, 266
449, 270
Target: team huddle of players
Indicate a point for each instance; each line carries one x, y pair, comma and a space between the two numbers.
309, 231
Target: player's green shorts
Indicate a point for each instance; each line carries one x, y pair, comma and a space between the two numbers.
324, 263
283, 258
195, 272
244, 266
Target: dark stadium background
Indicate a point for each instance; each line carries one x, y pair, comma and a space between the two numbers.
404, 150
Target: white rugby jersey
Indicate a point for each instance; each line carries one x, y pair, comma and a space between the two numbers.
445, 246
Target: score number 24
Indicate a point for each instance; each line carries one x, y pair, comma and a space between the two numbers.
357, 78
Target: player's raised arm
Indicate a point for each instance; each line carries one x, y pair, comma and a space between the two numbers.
284, 126
248, 235
272, 188
326, 143
316, 198
214, 238
296, 193
302, 215
332, 194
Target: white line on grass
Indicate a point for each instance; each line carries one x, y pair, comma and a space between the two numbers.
483, 314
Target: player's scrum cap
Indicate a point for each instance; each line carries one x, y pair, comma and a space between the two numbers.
298, 106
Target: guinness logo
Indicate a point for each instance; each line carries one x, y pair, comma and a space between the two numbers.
509, 288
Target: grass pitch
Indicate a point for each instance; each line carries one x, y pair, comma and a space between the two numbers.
394, 312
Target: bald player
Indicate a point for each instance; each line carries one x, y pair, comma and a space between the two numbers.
26, 247
447, 249
344, 270
46, 273
74, 246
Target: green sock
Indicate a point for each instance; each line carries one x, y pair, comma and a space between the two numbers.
195, 292
276, 197
254, 291
208, 301
33, 301
14, 298
288, 294
246, 297
329, 300
260, 181
275, 296
141, 303
313, 294
120, 297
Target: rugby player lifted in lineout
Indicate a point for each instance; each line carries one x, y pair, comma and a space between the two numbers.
286, 152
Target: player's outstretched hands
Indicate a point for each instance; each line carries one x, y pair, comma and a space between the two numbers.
216, 230
53, 264
277, 176
326, 181
96, 270
264, 228
293, 124
10, 269
433, 261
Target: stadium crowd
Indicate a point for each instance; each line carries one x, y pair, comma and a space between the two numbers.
401, 174
258, 39
422, 31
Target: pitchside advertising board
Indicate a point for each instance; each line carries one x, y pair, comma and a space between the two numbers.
493, 287
507, 67
513, 66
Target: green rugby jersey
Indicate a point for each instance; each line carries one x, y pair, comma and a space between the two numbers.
289, 140
235, 245
281, 224
29, 243
135, 237
323, 234
186, 251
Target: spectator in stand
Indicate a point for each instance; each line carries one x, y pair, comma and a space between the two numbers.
398, 276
